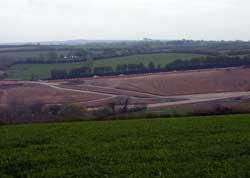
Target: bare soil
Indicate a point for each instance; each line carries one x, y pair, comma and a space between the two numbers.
155, 90
182, 83
29, 93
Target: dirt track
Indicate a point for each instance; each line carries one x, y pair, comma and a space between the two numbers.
184, 99
199, 98
53, 85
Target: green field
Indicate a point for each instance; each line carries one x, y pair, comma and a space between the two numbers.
207, 147
23, 54
162, 59
43, 70
25, 71
9, 57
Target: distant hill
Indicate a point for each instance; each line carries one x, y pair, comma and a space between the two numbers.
66, 42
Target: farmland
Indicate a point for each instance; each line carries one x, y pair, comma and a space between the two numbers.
28, 93
180, 83
9, 57
148, 88
25, 71
191, 92
159, 59
27, 54
124, 89
214, 146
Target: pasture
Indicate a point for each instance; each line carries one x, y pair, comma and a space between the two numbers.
42, 71
13, 56
215, 146
159, 59
25, 71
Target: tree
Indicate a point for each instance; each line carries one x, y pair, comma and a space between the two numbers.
41, 57
80, 72
52, 55
112, 106
151, 66
122, 68
34, 77
123, 103
73, 110
81, 53
58, 74
89, 63
103, 70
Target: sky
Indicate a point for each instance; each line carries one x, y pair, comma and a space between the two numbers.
49, 20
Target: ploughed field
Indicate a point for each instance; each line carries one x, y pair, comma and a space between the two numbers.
31, 93
216, 146
183, 82
150, 89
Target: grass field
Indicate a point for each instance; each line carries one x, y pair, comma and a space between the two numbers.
25, 71
23, 54
216, 146
29, 54
43, 70
162, 59
9, 57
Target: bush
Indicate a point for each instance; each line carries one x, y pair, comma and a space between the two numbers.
103, 113
2, 123
73, 111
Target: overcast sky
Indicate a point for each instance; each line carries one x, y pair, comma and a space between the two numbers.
43, 20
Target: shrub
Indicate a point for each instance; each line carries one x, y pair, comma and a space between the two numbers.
2, 122
73, 111
103, 113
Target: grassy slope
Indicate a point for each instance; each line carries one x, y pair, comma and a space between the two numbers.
216, 146
43, 70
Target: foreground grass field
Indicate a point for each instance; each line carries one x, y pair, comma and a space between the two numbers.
216, 146
25, 71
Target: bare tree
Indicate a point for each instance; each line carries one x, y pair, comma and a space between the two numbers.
123, 103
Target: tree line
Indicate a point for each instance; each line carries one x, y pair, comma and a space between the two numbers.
81, 55
97, 51
195, 63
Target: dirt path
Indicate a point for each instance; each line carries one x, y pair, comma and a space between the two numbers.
124, 90
53, 85
198, 98
185, 99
